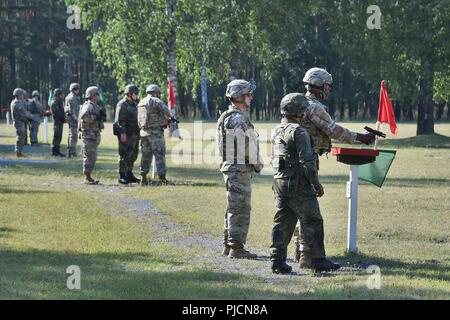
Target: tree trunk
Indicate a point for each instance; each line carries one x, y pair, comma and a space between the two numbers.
204, 87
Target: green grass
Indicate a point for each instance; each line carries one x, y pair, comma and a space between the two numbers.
49, 221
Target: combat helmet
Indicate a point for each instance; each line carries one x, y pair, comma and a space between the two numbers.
317, 77
18, 92
153, 88
91, 91
293, 103
131, 88
35, 93
237, 88
74, 86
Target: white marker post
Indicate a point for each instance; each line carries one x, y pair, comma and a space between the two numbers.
46, 130
153, 168
352, 195
7, 118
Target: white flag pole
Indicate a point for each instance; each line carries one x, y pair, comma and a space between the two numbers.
7, 118
46, 130
378, 128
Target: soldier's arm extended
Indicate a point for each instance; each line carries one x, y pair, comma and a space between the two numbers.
321, 119
306, 157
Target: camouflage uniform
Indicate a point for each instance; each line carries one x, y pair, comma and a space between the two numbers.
91, 125
72, 109
295, 184
20, 115
240, 160
127, 122
36, 109
59, 118
152, 117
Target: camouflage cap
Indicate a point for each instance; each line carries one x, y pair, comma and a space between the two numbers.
237, 88
293, 103
18, 92
131, 88
35, 93
74, 86
91, 91
57, 92
153, 88
317, 77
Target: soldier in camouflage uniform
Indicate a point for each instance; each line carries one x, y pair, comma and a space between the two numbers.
320, 126
20, 115
238, 147
127, 130
36, 109
153, 117
296, 186
91, 120
59, 118
72, 109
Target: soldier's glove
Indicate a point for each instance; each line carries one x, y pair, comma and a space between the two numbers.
319, 190
366, 138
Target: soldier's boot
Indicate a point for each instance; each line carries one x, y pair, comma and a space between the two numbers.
323, 264
305, 260
19, 154
226, 251
61, 154
123, 179
297, 253
132, 179
89, 180
163, 180
238, 252
144, 180
281, 267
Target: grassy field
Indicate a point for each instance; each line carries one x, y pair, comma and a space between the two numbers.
165, 242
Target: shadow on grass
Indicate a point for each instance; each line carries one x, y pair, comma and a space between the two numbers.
428, 269
422, 141
6, 232
8, 190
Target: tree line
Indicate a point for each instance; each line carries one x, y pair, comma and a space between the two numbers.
272, 42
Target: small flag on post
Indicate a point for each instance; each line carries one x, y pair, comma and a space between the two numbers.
171, 96
172, 102
385, 110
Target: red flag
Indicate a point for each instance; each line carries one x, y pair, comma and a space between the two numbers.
385, 109
171, 96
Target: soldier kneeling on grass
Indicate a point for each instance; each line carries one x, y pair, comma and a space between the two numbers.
296, 186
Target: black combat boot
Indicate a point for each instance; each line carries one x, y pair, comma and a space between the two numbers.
281, 267
62, 155
123, 179
144, 180
163, 180
323, 264
132, 179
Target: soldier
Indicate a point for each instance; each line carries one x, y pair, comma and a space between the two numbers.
59, 118
153, 117
36, 109
72, 109
91, 120
296, 186
321, 127
20, 115
127, 130
238, 147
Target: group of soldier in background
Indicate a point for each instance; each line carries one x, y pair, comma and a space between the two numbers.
135, 122
304, 134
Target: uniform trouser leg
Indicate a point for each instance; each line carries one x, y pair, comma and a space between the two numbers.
57, 137
21, 132
89, 149
73, 137
34, 130
128, 153
237, 221
153, 146
283, 226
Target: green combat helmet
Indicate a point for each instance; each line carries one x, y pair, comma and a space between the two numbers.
317, 77
237, 88
131, 88
74, 86
18, 92
293, 103
57, 92
35, 94
91, 91
153, 88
